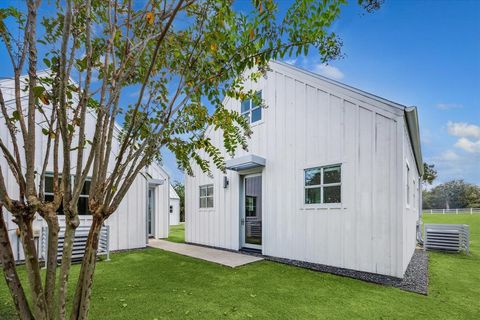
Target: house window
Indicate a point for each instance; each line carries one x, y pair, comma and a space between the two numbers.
408, 185
82, 204
171, 209
251, 110
206, 196
414, 202
323, 185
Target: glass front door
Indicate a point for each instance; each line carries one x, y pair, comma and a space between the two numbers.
252, 215
150, 212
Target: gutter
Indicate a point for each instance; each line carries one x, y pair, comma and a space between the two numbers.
411, 117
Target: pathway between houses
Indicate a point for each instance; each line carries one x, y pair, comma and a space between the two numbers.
226, 258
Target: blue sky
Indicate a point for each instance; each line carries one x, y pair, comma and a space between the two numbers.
424, 54
421, 53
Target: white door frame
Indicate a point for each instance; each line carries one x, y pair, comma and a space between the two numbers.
243, 243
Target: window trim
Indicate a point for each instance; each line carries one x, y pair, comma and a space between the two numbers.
322, 185
200, 197
407, 191
249, 111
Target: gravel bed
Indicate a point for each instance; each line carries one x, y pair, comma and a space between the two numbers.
415, 280
416, 276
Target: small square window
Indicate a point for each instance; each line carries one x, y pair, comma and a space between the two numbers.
251, 110
323, 185
206, 196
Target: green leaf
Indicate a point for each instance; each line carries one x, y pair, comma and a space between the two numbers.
38, 91
45, 131
16, 115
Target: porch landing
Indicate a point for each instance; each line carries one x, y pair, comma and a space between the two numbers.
226, 258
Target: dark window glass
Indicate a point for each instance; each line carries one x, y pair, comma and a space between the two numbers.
82, 206
245, 105
251, 206
313, 195
86, 188
331, 175
313, 176
332, 194
256, 115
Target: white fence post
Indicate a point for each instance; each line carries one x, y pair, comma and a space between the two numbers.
456, 211
443, 211
471, 210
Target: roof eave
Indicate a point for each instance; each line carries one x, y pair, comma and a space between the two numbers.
411, 117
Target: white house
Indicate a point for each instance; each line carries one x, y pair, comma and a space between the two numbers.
174, 207
332, 177
143, 212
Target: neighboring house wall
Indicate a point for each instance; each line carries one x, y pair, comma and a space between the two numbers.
311, 122
128, 224
174, 207
174, 212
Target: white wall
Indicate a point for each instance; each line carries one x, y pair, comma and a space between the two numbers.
175, 212
310, 122
412, 209
128, 224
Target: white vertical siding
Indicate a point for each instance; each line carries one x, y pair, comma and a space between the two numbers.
411, 211
309, 123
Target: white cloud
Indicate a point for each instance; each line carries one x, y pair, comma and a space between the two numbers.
468, 134
452, 165
449, 155
448, 106
328, 71
462, 129
468, 145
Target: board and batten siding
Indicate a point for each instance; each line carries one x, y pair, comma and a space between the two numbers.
309, 123
127, 224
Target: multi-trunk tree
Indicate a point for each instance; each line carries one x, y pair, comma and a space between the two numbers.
181, 56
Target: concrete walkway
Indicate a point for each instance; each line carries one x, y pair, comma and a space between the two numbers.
226, 258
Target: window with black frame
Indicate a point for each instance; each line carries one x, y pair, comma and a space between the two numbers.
82, 204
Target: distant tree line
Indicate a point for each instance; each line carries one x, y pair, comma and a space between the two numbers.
449, 195
452, 194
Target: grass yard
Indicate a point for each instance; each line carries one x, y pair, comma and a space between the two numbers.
153, 284
177, 233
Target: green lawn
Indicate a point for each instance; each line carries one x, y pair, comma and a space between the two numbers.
153, 284
177, 233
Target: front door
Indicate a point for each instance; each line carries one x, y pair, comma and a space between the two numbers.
151, 212
251, 218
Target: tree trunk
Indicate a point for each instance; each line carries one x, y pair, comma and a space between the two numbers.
51, 261
81, 301
70, 228
10, 272
40, 309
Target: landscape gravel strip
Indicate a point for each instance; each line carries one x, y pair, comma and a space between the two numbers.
415, 280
